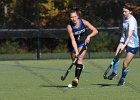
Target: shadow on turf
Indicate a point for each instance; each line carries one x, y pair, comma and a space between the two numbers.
105, 85
57, 86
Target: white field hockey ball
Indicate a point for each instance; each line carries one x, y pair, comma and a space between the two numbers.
70, 85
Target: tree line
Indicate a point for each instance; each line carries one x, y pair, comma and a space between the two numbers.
54, 13
46, 14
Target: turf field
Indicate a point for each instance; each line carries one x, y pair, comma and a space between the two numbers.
40, 80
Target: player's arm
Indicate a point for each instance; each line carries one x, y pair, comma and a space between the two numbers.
121, 45
71, 35
92, 28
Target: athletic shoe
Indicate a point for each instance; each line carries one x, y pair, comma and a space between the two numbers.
121, 82
111, 76
75, 82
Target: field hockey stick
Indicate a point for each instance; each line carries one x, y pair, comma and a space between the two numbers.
116, 58
73, 63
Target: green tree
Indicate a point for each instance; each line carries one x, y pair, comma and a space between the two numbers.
6, 9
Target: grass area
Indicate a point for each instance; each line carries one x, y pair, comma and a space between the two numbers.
40, 80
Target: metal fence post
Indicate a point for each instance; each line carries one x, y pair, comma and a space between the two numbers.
38, 33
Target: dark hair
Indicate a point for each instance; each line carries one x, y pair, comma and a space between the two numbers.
128, 6
132, 7
74, 9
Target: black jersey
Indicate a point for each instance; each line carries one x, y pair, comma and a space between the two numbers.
79, 32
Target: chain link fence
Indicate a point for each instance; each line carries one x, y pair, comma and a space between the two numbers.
23, 43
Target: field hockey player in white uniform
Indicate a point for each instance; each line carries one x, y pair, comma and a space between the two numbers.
129, 42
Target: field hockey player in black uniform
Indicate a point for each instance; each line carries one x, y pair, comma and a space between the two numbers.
78, 36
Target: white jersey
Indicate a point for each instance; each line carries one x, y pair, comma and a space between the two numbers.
130, 24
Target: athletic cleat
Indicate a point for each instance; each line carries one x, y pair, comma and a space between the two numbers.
111, 76
121, 82
75, 82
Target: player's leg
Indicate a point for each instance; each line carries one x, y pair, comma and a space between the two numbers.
71, 50
72, 54
79, 67
115, 70
130, 54
126, 63
115, 65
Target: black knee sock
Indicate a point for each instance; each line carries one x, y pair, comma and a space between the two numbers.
78, 70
